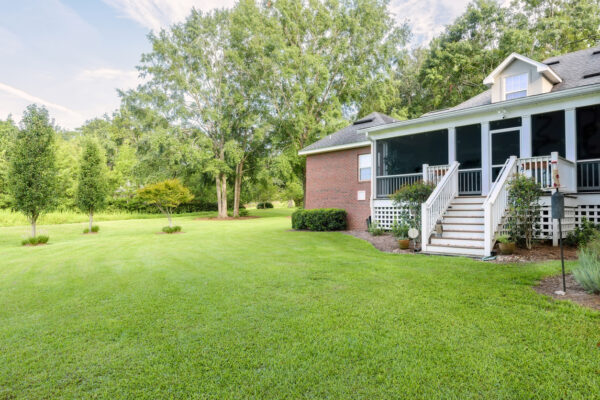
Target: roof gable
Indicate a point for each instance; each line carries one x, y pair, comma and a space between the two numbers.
542, 68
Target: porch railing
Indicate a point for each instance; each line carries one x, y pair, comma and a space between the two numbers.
540, 170
438, 202
588, 175
469, 181
496, 203
387, 185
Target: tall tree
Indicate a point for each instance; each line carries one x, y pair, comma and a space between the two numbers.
92, 185
328, 53
33, 172
188, 83
8, 131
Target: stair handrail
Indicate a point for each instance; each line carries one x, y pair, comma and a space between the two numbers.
494, 206
437, 203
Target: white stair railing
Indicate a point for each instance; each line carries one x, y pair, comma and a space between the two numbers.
438, 202
496, 203
540, 169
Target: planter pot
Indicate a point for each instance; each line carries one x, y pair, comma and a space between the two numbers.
403, 243
506, 248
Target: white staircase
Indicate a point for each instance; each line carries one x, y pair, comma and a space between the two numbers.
463, 228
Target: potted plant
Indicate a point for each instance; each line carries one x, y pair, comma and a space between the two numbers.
506, 244
400, 232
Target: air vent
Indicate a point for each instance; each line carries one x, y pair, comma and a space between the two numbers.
553, 63
363, 121
591, 75
596, 52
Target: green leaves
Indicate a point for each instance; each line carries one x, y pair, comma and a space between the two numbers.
168, 194
92, 187
32, 169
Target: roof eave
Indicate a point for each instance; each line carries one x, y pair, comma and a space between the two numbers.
488, 107
334, 148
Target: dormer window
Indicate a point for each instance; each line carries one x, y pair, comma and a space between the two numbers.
516, 86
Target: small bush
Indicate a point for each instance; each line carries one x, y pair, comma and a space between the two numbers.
588, 273
412, 197
171, 229
95, 229
400, 229
523, 210
582, 235
320, 219
264, 205
375, 229
244, 212
504, 239
34, 241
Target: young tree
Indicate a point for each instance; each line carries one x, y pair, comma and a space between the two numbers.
166, 196
92, 185
33, 172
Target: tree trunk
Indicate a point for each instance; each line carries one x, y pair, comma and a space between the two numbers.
170, 220
91, 220
218, 184
33, 223
237, 189
223, 211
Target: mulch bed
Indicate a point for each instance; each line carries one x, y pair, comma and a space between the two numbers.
575, 292
386, 242
226, 219
539, 252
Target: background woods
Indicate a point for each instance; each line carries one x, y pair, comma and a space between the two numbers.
230, 96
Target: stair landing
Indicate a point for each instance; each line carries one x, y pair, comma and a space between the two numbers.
463, 227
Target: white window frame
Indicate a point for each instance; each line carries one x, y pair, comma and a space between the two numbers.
368, 165
526, 89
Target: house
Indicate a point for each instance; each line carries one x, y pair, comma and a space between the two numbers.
535, 116
338, 170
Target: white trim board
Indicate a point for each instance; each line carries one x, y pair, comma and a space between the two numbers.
536, 104
334, 148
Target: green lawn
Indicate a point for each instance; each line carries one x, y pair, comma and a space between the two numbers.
249, 309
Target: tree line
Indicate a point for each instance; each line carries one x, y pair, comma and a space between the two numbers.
230, 96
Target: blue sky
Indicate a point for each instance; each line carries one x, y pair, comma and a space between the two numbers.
72, 55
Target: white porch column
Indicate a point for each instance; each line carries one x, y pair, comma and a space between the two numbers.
425, 174
525, 143
451, 145
570, 135
486, 162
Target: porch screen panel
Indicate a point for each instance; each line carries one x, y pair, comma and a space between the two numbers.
548, 133
407, 154
588, 132
505, 123
468, 146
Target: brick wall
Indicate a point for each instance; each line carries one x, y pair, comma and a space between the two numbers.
332, 182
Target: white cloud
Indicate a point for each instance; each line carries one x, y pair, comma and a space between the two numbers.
34, 99
157, 14
119, 78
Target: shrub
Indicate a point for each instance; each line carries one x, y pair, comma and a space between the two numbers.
523, 209
412, 196
35, 240
244, 212
266, 204
588, 273
375, 229
95, 229
171, 229
582, 235
505, 239
400, 229
320, 219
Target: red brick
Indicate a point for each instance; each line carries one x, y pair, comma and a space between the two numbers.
332, 182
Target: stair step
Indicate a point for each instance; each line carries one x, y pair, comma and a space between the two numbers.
464, 213
469, 234
457, 242
456, 250
462, 219
468, 200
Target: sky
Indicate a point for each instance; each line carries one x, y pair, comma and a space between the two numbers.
72, 55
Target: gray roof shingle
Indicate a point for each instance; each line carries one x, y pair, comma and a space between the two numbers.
571, 67
349, 134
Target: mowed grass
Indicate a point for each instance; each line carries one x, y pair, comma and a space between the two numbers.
248, 309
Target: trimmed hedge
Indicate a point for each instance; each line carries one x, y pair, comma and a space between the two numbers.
264, 205
320, 219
